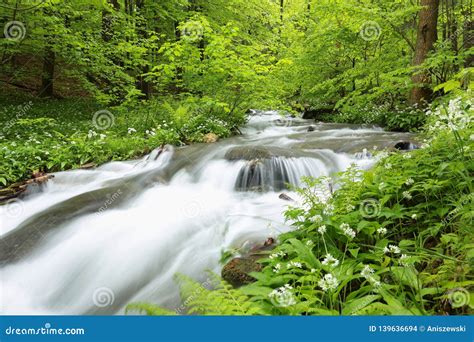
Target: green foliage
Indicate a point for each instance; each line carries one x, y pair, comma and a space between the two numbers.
36, 137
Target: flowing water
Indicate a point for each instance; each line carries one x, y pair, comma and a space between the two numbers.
91, 241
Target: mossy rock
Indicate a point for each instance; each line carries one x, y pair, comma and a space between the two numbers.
263, 152
236, 272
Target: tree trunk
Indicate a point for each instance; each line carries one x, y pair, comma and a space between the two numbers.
142, 84
47, 79
107, 21
426, 37
468, 42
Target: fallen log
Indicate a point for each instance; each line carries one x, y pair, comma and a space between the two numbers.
16, 189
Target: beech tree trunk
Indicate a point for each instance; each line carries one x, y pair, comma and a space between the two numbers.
468, 41
426, 37
47, 79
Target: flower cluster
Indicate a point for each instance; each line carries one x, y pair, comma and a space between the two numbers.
294, 264
329, 260
316, 219
368, 273
348, 231
277, 255
454, 117
328, 282
392, 249
322, 229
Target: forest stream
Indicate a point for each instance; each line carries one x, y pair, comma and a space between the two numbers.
119, 233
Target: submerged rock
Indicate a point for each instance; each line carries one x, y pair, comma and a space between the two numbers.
285, 197
405, 146
311, 128
246, 153
263, 152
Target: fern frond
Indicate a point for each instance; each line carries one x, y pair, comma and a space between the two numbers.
222, 299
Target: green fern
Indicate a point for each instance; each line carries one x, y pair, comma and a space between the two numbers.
222, 300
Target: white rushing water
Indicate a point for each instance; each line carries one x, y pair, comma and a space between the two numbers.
129, 248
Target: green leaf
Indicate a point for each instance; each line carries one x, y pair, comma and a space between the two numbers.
356, 305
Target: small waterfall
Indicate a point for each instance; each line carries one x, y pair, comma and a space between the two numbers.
277, 173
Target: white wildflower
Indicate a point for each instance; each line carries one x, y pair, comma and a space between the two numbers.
409, 181
392, 249
131, 130
322, 229
328, 282
407, 195
294, 264
350, 208
404, 260
348, 231
329, 260
329, 209
367, 271
277, 268
382, 230
317, 219
375, 282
